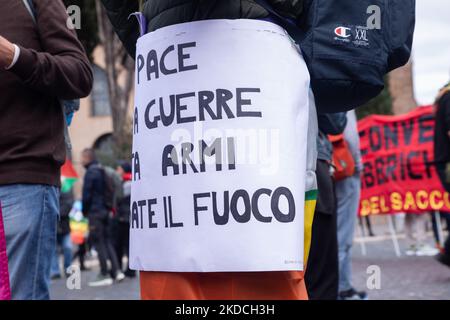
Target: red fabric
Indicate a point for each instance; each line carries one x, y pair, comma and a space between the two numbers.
127, 176
398, 155
5, 292
223, 286
68, 171
342, 158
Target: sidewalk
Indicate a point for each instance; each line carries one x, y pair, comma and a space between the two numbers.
128, 289
404, 277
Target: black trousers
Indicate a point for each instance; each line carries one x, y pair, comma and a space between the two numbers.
442, 172
81, 254
322, 272
122, 244
101, 240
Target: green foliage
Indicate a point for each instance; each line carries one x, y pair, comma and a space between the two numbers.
88, 34
382, 104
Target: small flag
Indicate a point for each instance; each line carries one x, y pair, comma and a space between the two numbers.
68, 176
79, 225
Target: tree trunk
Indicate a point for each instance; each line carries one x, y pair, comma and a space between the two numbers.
119, 68
402, 90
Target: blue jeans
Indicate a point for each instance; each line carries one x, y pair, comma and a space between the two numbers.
30, 214
347, 195
65, 243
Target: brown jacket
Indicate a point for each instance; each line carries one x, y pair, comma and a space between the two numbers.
52, 66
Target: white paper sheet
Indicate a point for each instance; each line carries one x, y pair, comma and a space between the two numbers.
240, 88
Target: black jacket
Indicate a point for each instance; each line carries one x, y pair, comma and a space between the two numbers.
162, 13
332, 124
442, 139
93, 191
124, 203
66, 201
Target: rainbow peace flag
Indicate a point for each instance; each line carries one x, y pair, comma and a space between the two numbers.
68, 176
79, 225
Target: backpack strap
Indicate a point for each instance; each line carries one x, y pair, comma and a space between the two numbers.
31, 9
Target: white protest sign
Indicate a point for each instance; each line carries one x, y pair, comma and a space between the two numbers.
219, 149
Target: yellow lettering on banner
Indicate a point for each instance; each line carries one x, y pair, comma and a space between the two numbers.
436, 205
447, 200
422, 199
365, 208
409, 201
374, 205
384, 207
396, 201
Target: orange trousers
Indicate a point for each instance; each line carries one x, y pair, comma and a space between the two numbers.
223, 286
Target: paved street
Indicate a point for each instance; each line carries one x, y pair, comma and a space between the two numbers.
401, 277
128, 289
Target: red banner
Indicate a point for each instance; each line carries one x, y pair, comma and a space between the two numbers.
398, 156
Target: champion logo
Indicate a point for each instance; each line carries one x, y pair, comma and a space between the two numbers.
343, 32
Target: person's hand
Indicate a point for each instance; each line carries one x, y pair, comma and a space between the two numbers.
6, 53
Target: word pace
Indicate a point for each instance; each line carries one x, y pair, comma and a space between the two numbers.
155, 64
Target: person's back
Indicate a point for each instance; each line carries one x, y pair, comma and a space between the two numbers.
442, 136
41, 63
93, 191
442, 152
163, 13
